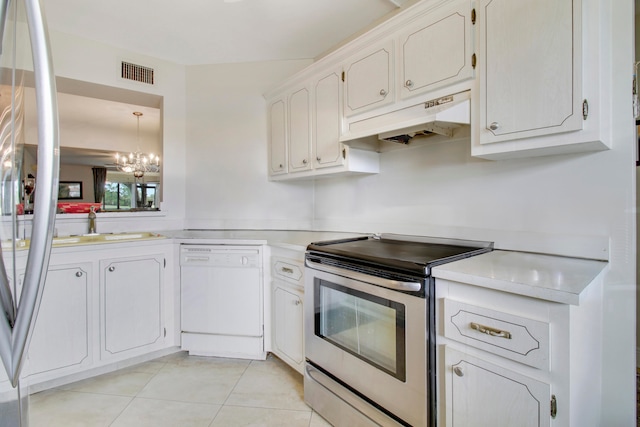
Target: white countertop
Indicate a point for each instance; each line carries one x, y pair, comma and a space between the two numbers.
288, 239
553, 278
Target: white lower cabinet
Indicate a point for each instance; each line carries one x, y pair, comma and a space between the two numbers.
287, 306
511, 360
113, 303
131, 304
61, 339
481, 394
288, 343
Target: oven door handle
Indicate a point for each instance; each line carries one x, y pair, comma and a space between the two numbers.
379, 281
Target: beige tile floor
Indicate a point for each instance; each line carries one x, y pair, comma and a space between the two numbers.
181, 390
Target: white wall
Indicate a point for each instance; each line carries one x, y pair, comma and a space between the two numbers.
550, 204
227, 184
88, 61
80, 173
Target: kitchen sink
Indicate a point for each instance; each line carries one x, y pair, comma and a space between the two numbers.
90, 239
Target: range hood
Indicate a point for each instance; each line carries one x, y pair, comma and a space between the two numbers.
442, 118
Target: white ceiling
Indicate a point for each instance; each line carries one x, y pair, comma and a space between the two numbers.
219, 31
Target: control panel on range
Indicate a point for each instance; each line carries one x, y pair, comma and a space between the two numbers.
222, 300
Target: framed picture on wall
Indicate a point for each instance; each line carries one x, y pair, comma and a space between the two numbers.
70, 190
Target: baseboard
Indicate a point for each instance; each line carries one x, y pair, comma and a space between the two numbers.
100, 370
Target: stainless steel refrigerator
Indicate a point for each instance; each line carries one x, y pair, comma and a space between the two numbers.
25, 61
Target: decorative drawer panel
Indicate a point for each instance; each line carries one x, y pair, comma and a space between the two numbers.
288, 270
513, 337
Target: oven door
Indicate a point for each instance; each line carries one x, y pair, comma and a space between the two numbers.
370, 338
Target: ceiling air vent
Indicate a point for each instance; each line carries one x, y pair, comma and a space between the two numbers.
137, 73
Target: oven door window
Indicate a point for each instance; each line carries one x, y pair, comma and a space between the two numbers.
367, 326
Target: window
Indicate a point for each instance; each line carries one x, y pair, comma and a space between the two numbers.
117, 196
120, 196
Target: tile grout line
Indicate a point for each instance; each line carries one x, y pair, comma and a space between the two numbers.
137, 393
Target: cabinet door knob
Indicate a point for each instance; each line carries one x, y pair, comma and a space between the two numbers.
458, 371
112, 268
280, 166
318, 158
494, 126
408, 83
297, 302
78, 273
383, 92
304, 161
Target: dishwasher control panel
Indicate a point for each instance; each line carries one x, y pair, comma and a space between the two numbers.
220, 256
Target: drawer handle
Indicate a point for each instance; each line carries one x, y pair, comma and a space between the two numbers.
490, 331
287, 270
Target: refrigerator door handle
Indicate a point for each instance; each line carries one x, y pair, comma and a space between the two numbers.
6, 299
47, 194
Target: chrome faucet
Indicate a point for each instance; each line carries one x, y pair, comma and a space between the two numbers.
92, 220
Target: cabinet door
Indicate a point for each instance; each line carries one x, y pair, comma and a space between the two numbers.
299, 130
328, 121
438, 51
131, 303
61, 335
530, 82
482, 394
369, 80
277, 137
288, 321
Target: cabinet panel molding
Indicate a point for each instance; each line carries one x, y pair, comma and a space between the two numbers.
514, 337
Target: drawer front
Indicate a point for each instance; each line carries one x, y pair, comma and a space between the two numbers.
288, 270
513, 337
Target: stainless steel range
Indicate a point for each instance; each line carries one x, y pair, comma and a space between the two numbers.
370, 327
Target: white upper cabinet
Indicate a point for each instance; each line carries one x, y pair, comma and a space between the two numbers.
436, 50
299, 130
530, 97
369, 79
327, 125
277, 137
530, 82
306, 123
533, 72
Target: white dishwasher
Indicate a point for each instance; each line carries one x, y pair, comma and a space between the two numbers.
222, 300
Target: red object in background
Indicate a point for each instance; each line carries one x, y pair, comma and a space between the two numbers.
77, 207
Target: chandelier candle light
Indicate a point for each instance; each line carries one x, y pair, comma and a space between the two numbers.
138, 163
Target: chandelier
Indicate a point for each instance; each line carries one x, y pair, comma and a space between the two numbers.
137, 163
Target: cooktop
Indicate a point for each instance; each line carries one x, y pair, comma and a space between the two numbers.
416, 254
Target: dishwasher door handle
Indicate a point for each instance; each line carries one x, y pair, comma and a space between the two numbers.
198, 259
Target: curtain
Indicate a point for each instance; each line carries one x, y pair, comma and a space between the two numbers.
99, 179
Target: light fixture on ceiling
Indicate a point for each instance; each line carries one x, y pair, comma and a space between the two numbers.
137, 162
